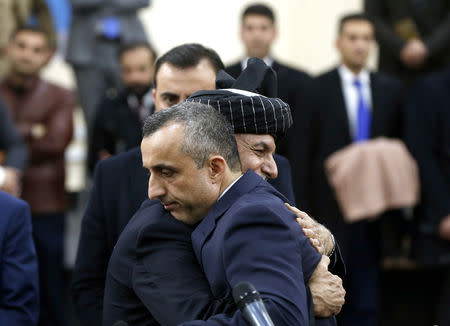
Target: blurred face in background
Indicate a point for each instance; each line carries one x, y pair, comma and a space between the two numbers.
355, 41
173, 84
137, 66
28, 52
257, 33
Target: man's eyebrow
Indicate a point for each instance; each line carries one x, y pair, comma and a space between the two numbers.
261, 143
167, 94
162, 166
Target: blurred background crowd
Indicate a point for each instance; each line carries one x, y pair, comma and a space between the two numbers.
79, 93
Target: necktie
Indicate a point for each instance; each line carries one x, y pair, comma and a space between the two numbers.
363, 121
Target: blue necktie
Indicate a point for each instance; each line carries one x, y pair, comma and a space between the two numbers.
363, 121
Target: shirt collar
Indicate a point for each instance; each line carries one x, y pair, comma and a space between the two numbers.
29, 84
267, 60
348, 77
229, 187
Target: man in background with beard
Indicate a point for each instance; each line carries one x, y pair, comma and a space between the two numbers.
118, 123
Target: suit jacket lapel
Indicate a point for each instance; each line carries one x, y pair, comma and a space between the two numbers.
201, 233
377, 105
341, 107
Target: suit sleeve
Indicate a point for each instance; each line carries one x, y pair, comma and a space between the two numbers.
385, 34
303, 149
89, 275
11, 142
337, 265
439, 39
19, 301
59, 130
258, 247
423, 138
101, 139
168, 279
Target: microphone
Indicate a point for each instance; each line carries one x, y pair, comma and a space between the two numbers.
120, 323
251, 305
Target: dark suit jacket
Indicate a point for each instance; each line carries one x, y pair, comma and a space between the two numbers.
10, 141
154, 277
117, 128
249, 235
292, 84
119, 187
324, 129
433, 25
19, 283
428, 138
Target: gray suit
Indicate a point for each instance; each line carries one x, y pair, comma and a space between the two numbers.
10, 141
94, 57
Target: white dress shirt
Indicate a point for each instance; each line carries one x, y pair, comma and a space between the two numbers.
351, 94
229, 187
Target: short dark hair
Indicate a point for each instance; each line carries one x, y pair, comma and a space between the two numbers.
136, 45
206, 132
189, 55
259, 9
350, 17
33, 29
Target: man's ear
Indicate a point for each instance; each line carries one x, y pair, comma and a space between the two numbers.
50, 53
337, 44
216, 168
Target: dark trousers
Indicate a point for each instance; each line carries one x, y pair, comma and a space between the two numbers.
362, 280
48, 232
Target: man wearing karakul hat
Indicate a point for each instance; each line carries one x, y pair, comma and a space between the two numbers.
173, 295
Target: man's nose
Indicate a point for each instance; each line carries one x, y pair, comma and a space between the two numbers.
155, 189
270, 168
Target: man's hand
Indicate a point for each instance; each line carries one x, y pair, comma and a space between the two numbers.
11, 183
319, 236
327, 291
444, 228
414, 53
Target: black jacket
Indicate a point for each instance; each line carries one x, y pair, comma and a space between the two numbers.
428, 139
116, 129
432, 21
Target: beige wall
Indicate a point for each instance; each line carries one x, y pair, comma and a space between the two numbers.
307, 30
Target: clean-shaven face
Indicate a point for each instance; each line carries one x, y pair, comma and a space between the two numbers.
186, 191
173, 85
354, 43
257, 34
